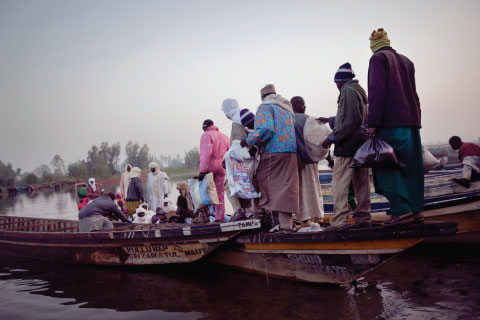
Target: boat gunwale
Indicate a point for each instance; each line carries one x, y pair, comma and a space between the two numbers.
427, 229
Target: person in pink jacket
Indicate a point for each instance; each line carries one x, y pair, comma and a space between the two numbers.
213, 146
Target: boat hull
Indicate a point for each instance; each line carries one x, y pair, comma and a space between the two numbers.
58, 240
324, 257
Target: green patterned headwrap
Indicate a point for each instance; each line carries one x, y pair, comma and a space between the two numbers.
379, 39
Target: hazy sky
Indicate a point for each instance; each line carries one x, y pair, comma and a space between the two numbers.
76, 73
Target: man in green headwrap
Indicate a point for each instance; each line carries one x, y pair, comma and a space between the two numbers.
394, 115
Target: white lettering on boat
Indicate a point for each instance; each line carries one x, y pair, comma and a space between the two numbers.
149, 254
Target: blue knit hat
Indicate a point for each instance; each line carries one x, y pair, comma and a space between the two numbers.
246, 116
344, 73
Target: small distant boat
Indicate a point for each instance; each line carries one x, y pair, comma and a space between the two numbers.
126, 244
13, 190
325, 256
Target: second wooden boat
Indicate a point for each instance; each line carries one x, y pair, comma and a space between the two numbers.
326, 256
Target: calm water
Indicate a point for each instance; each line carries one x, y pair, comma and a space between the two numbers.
428, 282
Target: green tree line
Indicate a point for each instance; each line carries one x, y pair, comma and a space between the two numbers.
101, 162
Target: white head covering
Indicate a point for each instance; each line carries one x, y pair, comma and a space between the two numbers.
137, 218
91, 182
232, 110
135, 172
156, 166
140, 209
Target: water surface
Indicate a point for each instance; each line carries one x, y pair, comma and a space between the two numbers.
428, 282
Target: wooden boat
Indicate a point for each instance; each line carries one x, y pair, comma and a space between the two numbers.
126, 244
444, 200
325, 256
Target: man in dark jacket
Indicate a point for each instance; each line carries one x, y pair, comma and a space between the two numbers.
347, 137
92, 217
134, 193
394, 116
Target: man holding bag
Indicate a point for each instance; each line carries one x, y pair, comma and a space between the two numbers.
347, 137
394, 116
213, 146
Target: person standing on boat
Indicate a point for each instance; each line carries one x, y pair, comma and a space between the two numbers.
158, 186
92, 190
277, 173
124, 181
394, 116
347, 137
469, 155
92, 217
232, 110
134, 191
311, 198
213, 146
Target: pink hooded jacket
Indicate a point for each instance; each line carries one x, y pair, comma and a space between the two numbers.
213, 146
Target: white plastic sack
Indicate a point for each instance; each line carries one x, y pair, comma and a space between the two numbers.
240, 166
203, 192
429, 160
315, 132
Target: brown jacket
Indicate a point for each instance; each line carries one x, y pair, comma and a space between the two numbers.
238, 132
93, 194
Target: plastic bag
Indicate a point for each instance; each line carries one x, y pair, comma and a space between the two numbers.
203, 192
375, 153
315, 132
429, 160
240, 166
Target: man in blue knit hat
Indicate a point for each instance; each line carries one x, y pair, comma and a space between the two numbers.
347, 137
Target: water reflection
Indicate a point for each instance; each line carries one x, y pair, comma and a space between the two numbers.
420, 285
203, 290
48, 203
428, 282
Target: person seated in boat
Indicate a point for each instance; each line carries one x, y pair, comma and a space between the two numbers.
173, 219
92, 217
83, 203
149, 213
160, 216
93, 191
469, 155
141, 216
184, 203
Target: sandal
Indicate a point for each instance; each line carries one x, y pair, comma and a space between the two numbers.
399, 219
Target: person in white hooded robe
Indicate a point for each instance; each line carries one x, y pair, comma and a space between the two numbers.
232, 110
158, 186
